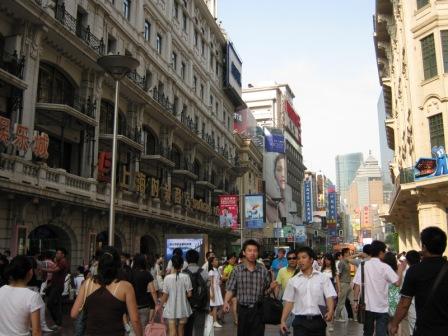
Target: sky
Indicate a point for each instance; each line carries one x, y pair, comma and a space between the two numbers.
324, 50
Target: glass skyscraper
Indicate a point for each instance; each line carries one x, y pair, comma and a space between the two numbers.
346, 167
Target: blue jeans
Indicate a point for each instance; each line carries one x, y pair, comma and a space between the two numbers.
376, 322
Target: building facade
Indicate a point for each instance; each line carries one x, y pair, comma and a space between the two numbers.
177, 151
411, 40
346, 167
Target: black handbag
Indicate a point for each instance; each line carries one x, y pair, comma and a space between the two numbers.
361, 313
271, 310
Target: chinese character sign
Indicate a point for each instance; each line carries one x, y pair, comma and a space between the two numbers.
308, 200
228, 211
332, 210
5, 125
40, 145
254, 211
104, 166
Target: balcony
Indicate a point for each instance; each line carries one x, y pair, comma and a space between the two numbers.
161, 155
71, 24
407, 175
128, 135
138, 80
185, 170
82, 109
163, 100
13, 63
204, 181
239, 167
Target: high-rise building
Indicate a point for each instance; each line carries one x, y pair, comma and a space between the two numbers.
272, 107
387, 155
176, 148
346, 167
411, 41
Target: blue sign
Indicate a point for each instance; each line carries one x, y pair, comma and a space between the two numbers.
432, 167
332, 212
254, 211
274, 141
308, 200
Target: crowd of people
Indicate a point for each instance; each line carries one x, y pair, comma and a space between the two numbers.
404, 294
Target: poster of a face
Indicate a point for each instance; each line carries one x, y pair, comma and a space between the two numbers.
253, 211
274, 170
228, 211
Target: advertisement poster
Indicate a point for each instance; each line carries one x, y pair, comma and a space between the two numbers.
274, 174
432, 167
193, 243
228, 211
308, 200
300, 234
253, 211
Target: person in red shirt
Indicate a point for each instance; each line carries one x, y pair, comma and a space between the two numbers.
56, 286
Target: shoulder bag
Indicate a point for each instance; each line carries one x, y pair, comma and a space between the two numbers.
361, 313
271, 307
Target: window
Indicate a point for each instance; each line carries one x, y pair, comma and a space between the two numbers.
184, 21
211, 101
422, 3
159, 43
429, 57
217, 68
182, 70
202, 92
444, 38
211, 59
202, 47
195, 84
175, 104
111, 45
147, 30
216, 108
195, 38
436, 132
127, 9
176, 9
174, 60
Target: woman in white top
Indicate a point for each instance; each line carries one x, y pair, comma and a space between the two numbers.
19, 305
215, 289
177, 289
329, 269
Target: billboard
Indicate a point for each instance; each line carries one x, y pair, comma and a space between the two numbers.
274, 175
332, 213
228, 211
300, 234
254, 211
308, 200
185, 242
432, 167
244, 123
234, 68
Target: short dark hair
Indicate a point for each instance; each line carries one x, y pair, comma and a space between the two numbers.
377, 247
291, 252
139, 262
231, 255
251, 242
308, 250
413, 257
178, 251
63, 250
434, 240
337, 255
81, 269
18, 268
192, 256
367, 249
207, 255
281, 249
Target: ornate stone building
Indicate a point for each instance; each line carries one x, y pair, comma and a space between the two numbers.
176, 147
411, 40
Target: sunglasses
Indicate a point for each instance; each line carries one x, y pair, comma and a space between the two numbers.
292, 258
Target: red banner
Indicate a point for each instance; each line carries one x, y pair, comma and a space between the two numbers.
228, 211
294, 117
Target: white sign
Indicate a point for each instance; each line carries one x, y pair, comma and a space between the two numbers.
233, 70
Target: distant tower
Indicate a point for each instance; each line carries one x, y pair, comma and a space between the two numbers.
212, 7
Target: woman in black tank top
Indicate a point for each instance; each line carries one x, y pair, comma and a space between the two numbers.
103, 300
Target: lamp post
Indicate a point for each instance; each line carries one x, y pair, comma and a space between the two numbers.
277, 201
117, 66
294, 213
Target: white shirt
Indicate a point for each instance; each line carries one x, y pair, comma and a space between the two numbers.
377, 276
78, 282
307, 293
16, 307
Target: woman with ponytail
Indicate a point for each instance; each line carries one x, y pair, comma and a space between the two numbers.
19, 305
105, 299
177, 289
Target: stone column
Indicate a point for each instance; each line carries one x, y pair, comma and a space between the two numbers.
401, 237
415, 236
431, 214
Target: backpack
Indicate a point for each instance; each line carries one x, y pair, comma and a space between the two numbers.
199, 299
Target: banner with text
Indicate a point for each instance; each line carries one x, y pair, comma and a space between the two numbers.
254, 211
228, 211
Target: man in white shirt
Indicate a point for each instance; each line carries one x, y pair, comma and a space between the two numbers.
377, 278
304, 297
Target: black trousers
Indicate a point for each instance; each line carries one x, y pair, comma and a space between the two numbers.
250, 322
195, 323
54, 303
305, 327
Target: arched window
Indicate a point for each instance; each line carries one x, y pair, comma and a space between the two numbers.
54, 86
196, 168
149, 141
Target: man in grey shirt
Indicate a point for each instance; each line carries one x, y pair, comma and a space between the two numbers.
345, 279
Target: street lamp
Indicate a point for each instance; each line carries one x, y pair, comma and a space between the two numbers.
294, 213
117, 66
